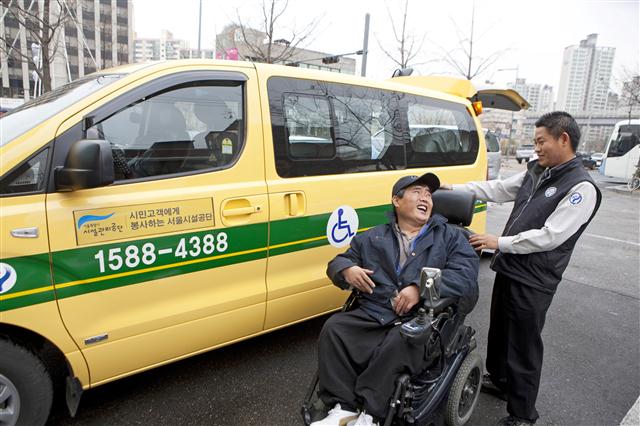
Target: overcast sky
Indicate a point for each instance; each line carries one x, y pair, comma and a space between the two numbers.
530, 35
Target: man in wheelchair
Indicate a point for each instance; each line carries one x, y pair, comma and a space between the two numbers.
362, 352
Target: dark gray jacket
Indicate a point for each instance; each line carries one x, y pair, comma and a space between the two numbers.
443, 246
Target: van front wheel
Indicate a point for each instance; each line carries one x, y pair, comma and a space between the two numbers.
26, 391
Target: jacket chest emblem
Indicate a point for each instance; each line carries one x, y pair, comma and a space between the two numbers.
575, 198
550, 191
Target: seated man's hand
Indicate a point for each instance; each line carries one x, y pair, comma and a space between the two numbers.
483, 241
446, 186
406, 299
358, 277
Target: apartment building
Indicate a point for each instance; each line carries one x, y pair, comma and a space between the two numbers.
95, 34
230, 44
166, 47
539, 96
585, 76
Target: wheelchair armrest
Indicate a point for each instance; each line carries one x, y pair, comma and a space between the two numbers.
441, 304
352, 301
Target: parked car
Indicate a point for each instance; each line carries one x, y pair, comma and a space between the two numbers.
524, 152
494, 156
587, 161
597, 157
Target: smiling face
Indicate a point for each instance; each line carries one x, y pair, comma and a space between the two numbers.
414, 207
552, 151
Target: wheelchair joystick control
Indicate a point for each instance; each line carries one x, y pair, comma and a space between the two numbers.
418, 328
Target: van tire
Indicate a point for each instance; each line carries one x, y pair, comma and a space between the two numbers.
519, 160
29, 386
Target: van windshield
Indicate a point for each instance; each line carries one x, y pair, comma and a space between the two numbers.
38, 110
627, 138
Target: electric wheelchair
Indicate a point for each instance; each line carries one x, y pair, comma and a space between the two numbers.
447, 390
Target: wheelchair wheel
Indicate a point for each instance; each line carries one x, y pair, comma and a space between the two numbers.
465, 391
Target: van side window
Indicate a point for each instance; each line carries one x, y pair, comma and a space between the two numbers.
322, 128
308, 120
365, 123
188, 128
441, 133
28, 178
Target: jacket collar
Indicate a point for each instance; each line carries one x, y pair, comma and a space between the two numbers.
537, 169
425, 240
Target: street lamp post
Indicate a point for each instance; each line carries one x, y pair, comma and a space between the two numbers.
365, 46
511, 133
199, 28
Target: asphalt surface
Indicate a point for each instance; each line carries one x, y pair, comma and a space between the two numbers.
591, 373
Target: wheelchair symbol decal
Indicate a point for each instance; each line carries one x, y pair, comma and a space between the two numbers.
342, 226
8, 277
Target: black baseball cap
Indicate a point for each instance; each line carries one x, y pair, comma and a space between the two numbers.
428, 179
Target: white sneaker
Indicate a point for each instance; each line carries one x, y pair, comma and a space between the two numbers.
363, 420
337, 417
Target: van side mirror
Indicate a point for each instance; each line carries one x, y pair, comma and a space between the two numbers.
430, 285
89, 164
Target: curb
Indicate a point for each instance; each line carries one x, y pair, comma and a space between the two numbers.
633, 416
622, 189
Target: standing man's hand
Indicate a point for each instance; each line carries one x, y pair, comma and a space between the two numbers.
406, 299
358, 277
446, 186
483, 241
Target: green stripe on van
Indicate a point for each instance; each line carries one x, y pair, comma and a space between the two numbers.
33, 282
290, 235
481, 206
77, 271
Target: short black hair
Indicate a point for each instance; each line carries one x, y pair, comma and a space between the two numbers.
559, 122
400, 193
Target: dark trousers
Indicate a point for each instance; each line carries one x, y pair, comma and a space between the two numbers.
515, 348
359, 361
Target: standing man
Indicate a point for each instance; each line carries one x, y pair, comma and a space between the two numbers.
361, 352
555, 199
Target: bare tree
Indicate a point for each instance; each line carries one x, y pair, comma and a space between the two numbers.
463, 59
407, 46
269, 49
42, 28
630, 96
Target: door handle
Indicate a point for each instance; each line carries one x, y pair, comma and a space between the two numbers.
32, 232
241, 211
294, 203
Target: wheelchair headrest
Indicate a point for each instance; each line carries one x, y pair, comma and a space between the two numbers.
436, 140
456, 206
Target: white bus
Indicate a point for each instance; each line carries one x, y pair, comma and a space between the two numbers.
622, 151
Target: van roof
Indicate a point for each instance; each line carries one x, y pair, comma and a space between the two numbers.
491, 97
454, 86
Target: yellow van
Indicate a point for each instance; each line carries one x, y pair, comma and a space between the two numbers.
156, 211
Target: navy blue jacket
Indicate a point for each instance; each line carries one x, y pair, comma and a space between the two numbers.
443, 246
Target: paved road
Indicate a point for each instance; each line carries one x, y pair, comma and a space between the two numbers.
591, 374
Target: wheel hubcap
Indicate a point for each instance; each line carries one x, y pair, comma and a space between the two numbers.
9, 402
469, 392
